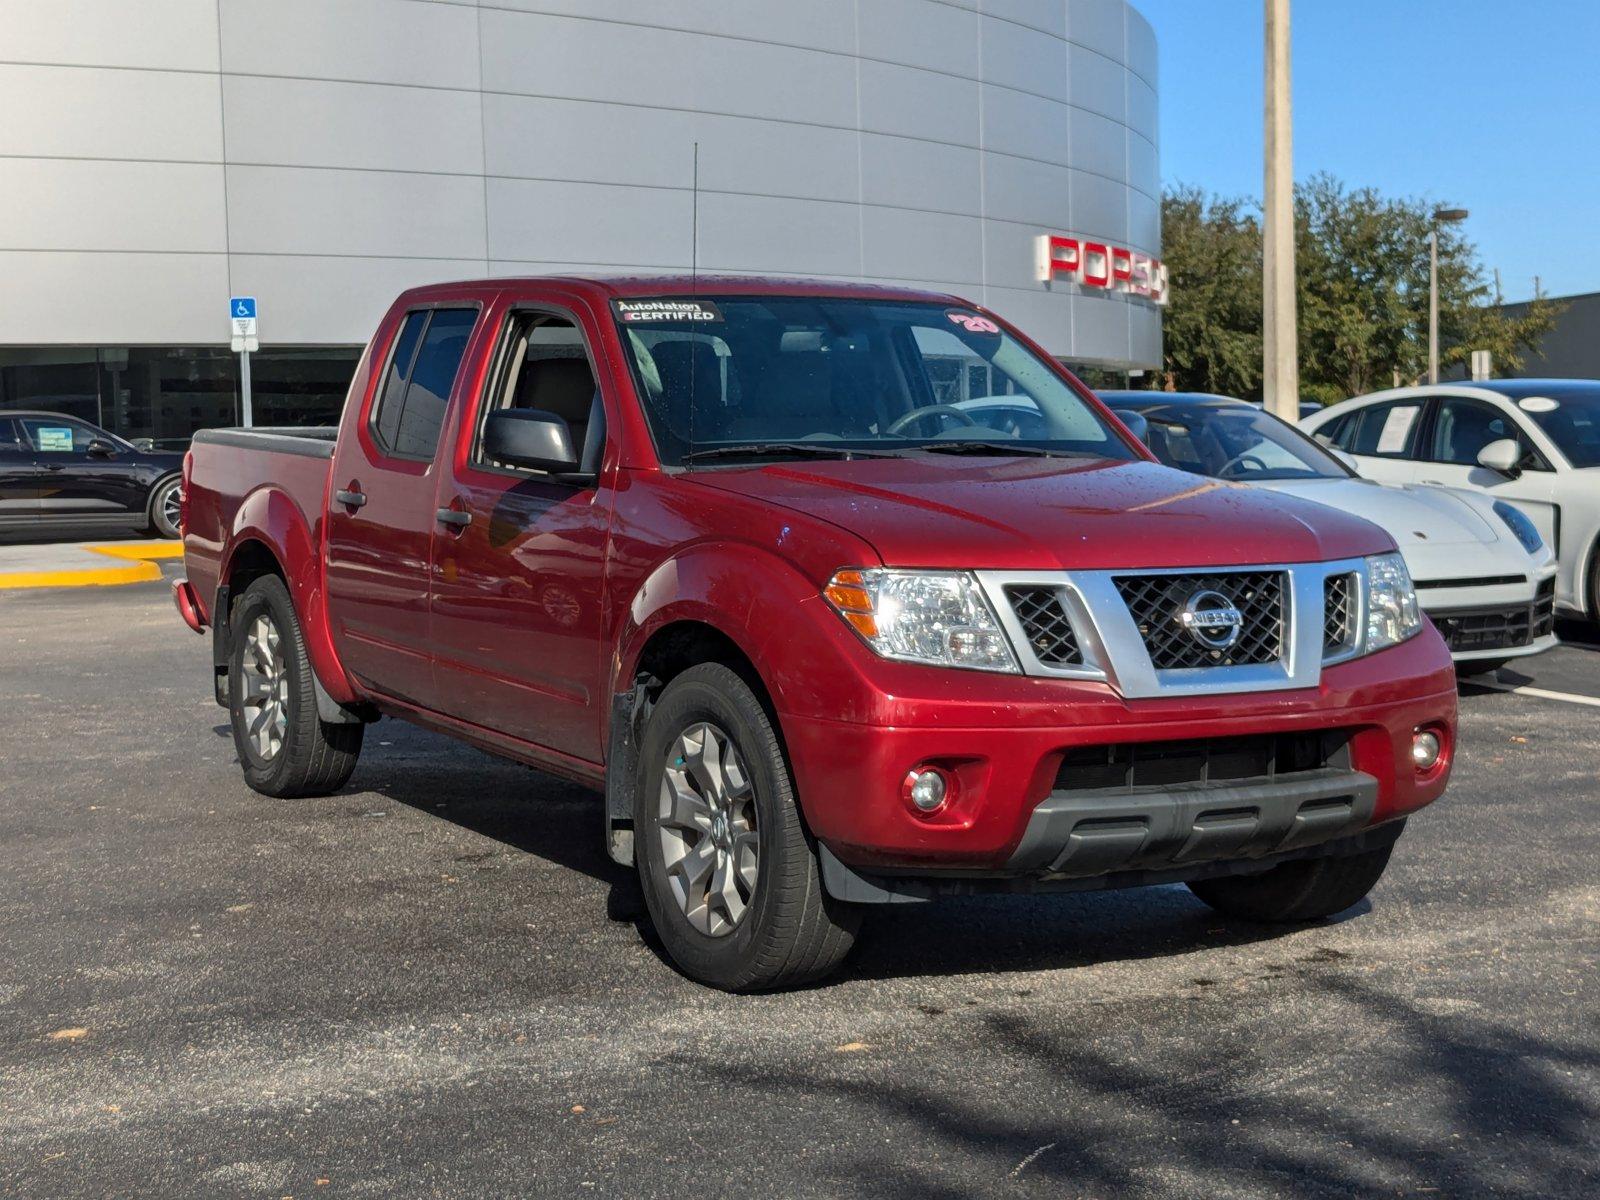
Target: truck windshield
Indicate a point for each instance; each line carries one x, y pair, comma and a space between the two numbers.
774, 377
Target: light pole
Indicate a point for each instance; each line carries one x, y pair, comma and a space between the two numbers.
1440, 217
1279, 340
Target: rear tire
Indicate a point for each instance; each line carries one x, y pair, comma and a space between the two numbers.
1306, 890
285, 748
729, 873
163, 512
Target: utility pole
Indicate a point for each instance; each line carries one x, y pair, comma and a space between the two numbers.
1440, 215
1279, 337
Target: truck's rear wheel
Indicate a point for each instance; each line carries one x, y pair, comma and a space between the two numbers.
285, 748
1296, 891
729, 873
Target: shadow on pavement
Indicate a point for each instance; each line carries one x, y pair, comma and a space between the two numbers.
1189, 1122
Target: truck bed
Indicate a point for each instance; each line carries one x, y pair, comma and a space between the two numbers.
254, 470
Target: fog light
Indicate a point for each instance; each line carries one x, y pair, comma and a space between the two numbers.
1424, 750
926, 789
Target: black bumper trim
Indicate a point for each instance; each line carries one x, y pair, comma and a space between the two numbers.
1078, 834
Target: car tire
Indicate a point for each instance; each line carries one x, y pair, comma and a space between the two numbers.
284, 746
162, 514
727, 835
1306, 890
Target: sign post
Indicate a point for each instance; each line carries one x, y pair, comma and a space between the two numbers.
242, 318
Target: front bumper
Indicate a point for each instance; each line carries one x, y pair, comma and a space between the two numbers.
1003, 742
1479, 627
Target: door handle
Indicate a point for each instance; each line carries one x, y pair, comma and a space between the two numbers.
350, 498
453, 517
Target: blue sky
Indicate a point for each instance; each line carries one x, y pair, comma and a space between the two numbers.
1488, 105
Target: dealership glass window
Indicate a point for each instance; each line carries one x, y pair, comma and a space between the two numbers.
163, 394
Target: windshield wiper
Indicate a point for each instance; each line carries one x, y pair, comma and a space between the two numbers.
785, 450
995, 449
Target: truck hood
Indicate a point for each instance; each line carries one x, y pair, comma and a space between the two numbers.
1038, 514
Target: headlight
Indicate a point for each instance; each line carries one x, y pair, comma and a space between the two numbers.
1392, 611
1521, 527
936, 617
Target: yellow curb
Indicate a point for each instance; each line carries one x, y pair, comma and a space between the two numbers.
141, 551
139, 572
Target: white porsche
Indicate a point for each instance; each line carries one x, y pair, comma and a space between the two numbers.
1533, 442
1483, 574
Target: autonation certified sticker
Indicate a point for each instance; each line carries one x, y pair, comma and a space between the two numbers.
645, 311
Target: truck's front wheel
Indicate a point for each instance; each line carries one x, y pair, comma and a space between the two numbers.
729, 873
1304, 890
285, 748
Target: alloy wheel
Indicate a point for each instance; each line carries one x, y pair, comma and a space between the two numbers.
266, 688
709, 842
172, 506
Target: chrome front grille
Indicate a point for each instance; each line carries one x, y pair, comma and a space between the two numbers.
1162, 607
1338, 614
1044, 623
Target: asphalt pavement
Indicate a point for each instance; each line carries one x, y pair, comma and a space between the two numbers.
416, 988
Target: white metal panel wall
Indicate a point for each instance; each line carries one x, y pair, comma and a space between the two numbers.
324, 153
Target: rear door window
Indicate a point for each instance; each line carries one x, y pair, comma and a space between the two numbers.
1381, 430
54, 436
417, 385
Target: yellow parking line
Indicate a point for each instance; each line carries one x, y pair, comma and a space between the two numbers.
141, 551
138, 572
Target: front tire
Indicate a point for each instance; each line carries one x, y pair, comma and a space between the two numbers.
1305, 890
164, 510
729, 873
285, 748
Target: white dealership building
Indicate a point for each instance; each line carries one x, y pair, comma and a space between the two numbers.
158, 157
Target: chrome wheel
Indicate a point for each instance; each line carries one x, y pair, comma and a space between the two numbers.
265, 679
709, 844
171, 506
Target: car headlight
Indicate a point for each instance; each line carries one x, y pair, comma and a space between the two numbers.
937, 617
1521, 527
1393, 614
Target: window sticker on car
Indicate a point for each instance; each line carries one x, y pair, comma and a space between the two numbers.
54, 438
635, 312
971, 321
1537, 404
1396, 428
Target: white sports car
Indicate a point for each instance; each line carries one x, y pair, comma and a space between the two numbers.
1534, 442
1483, 574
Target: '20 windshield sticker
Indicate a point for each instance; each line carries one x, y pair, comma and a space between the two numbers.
971, 321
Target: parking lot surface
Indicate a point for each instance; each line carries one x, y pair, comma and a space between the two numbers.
414, 988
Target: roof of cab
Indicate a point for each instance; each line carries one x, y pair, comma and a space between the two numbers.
645, 285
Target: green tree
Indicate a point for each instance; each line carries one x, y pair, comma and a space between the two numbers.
1213, 321
1362, 274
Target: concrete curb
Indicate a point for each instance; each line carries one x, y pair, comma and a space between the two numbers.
84, 565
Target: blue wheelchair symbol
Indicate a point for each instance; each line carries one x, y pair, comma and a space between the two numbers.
244, 306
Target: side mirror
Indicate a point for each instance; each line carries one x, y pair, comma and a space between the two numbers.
1137, 425
1502, 455
531, 438
100, 448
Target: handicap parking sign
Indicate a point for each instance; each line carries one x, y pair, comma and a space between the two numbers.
243, 306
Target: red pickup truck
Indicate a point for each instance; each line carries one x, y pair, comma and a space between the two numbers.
843, 595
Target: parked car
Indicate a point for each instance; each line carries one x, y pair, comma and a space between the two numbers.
1533, 442
1483, 574
825, 640
60, 473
